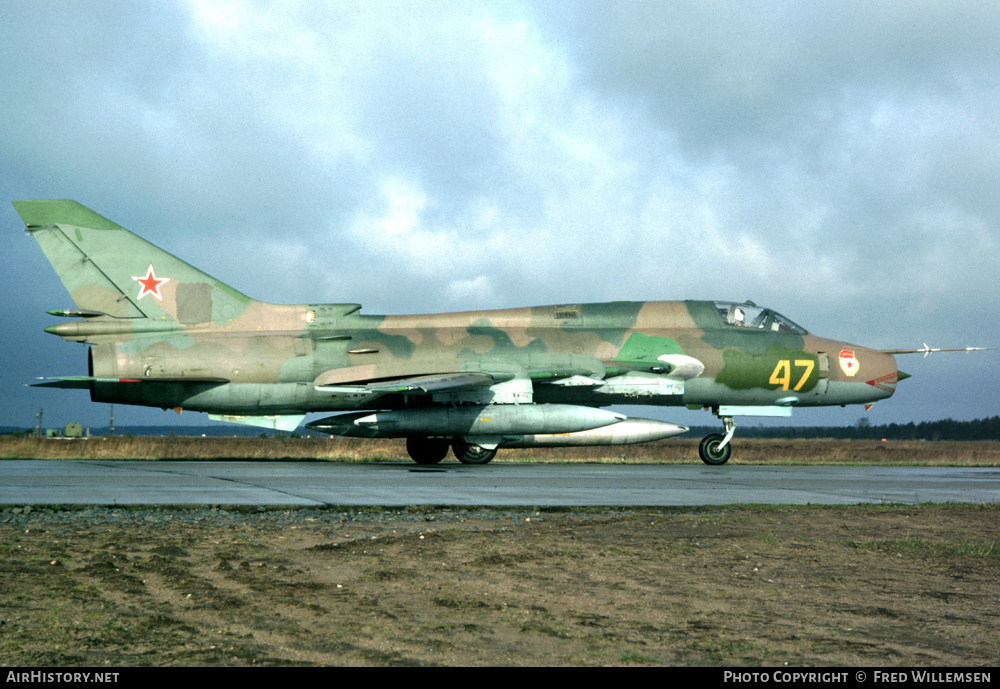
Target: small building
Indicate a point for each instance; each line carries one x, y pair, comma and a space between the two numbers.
71, 430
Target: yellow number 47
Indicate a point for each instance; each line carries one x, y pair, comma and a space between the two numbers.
782, 375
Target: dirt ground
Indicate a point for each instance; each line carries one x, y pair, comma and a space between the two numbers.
870, 585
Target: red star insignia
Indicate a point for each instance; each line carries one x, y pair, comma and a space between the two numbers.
150, 284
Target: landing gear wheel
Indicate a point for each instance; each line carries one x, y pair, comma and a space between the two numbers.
710, 451
426, 450
469, 453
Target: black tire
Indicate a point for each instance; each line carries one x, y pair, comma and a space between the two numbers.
469, 453
710, 451
426, 450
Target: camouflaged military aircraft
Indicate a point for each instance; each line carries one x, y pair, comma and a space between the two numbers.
164, 334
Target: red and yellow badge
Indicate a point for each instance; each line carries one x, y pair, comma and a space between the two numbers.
848, 362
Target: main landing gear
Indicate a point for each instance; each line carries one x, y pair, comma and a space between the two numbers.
715, 448
426, 450
433, 450
469, 453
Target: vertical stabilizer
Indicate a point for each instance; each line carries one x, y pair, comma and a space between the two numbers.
105, 268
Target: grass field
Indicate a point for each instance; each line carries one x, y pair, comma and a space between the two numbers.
676, 451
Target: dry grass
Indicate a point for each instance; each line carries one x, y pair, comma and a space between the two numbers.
184, 447
679, 451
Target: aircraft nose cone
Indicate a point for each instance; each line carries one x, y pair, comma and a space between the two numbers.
881, 373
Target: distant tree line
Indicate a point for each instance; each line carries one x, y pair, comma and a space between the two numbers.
947, 429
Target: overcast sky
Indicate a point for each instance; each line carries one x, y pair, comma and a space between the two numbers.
838, 162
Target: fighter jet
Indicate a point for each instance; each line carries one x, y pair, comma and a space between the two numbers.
161, 333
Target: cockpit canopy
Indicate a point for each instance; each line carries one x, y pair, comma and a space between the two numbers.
749, 315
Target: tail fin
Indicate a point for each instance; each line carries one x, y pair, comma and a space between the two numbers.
107, 269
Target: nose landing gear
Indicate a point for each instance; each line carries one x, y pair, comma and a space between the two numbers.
715, 448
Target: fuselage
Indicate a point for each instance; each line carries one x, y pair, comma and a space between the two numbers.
692, 353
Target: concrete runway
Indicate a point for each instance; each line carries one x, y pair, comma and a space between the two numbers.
90, 482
